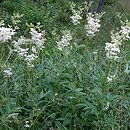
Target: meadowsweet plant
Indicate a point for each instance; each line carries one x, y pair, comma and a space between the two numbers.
28, 48
125, 30
29, 54
65, 40
61, 80
125, 27
112, 51
93, 24
37, 38
113, 48
77, 13
117, 38
6, 33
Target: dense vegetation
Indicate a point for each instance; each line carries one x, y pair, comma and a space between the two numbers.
62, 68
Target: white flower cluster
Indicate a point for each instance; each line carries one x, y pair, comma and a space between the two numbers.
6, 34
76, 17
37, 38
93, 24
125, 30
65, 40
17, 46
27, 48
113, 48
24, 50
27, 124
8, 72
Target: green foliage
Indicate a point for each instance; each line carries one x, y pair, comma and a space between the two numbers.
63, 91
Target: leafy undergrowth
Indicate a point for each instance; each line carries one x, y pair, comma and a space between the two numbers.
63, 70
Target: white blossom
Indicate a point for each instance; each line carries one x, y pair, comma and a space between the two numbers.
75, 19
125, 32
21, 51
116, 38
21, 41
27, 124
8, 72
112, 50
29, 59
6, 34
110, 78
65, 40
37, 38
93, 24
26, 49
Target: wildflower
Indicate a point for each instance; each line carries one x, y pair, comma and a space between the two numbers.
93, 24
29, 59
8, 72
76, 17
27, 47
28, 53
116, 38
110, 78
6, 34
113, 48
125, 32
27, 124
65, 40
34, 49
125, 27
21, 41
37, 38
21, 51
112, 51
